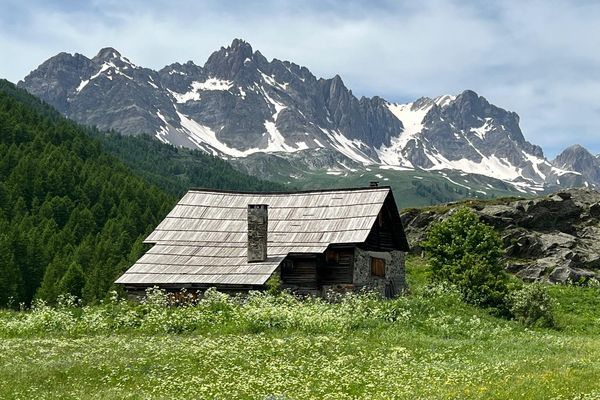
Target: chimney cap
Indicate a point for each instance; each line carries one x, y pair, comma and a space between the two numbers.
258, 205
374, 184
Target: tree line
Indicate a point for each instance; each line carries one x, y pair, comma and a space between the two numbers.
73, 215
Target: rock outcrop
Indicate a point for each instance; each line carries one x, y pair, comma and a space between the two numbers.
553, 238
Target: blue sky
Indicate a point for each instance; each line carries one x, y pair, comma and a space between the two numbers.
540, 59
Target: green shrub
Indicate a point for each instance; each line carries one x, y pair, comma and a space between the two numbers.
274, 284
533, 306
466, 253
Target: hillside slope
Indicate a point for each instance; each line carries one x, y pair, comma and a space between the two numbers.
176, 169
70, 214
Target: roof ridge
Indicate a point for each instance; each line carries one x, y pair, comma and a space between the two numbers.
350, 189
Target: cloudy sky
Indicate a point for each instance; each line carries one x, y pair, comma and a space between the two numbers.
538, 58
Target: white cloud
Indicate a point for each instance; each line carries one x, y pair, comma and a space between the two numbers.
537, 58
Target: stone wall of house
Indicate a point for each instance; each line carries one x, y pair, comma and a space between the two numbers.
392, 284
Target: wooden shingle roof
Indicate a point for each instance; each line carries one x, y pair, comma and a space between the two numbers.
203, 240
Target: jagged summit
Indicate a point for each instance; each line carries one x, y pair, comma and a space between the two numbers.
230, 61
240, 44
238, 48
239, 103
107, 53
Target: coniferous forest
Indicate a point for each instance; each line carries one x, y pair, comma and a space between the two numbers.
175, 170
73, 215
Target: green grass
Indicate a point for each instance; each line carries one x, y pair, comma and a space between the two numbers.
412, 188
428, 345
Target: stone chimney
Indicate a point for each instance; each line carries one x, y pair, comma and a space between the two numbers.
258, 221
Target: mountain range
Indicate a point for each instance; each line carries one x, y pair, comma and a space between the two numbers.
244, 108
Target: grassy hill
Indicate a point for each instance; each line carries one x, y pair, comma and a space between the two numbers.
427, 345
412, 188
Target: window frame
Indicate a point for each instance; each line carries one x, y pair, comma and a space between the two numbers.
378, 267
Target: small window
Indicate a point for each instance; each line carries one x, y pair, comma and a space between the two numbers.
332, 257
378, 267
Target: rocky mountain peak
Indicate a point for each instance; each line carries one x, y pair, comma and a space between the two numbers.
471, 107
227, 62
106, 54
577, 158
576, 148
469, 95
336, 85
241, 45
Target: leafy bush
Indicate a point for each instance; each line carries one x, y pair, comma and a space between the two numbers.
533, 306
274, 284
466, 252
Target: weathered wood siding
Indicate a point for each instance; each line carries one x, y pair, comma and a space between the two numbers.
336, 266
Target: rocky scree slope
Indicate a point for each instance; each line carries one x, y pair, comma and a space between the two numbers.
239, 104
552, 238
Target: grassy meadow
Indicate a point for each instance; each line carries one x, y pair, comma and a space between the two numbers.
427, 345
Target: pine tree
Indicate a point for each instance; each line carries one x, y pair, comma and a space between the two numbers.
72, 281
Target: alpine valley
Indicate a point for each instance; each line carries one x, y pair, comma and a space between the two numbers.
276, 120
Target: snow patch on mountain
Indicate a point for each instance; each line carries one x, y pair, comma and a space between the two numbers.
411, 115
212, 84
201, 134
535, 163
107, 68
456, 183
349, 148
444, 100
163, 132
561, 172
483, 129
84, 83
493, 166
185, 97
276, 141
271, 81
